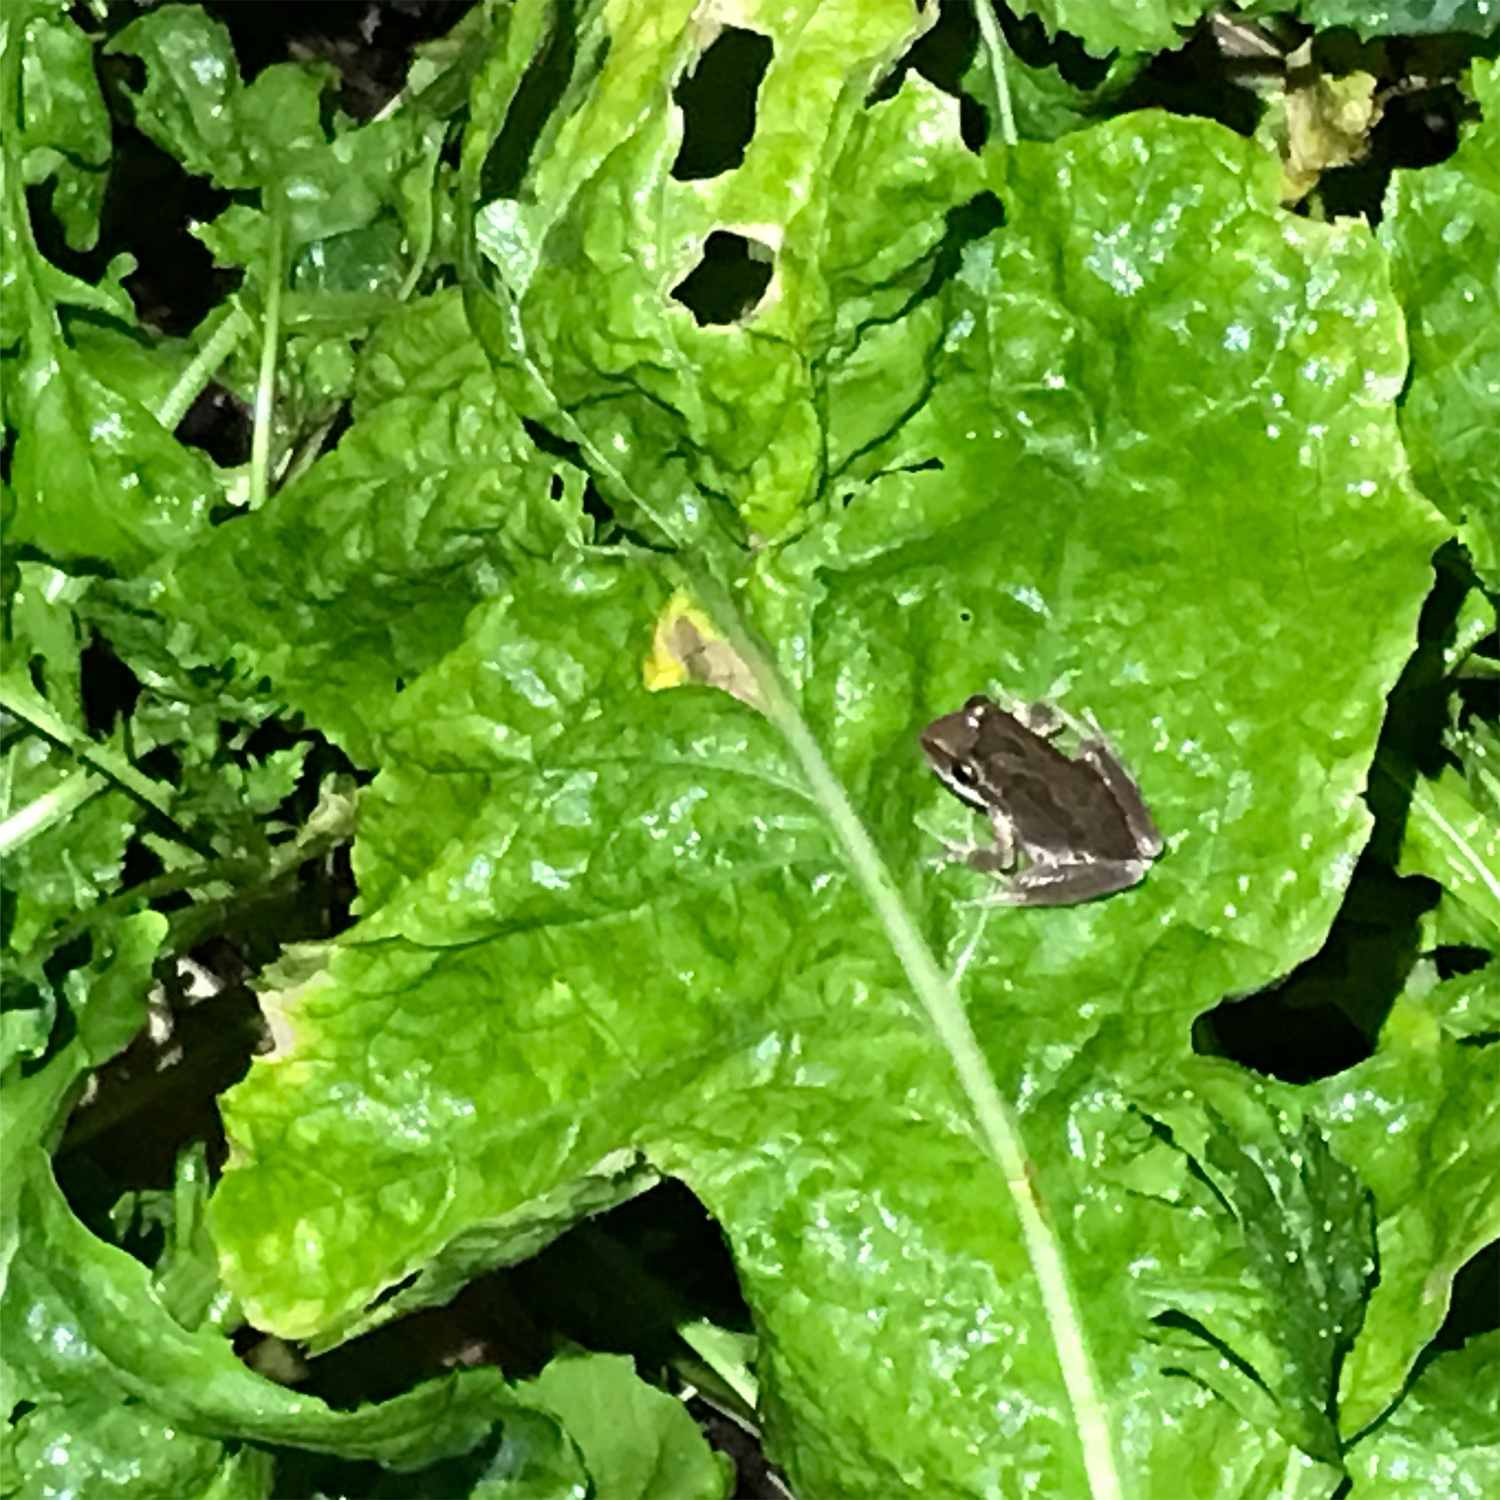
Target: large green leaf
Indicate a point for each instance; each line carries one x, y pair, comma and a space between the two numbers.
1442, 229
1113, 452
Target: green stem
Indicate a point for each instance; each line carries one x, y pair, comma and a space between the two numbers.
265, 385
995, 50
231, 328
33, 709
52, 807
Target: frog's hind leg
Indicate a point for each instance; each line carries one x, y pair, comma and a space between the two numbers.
1069, 883
1097, 753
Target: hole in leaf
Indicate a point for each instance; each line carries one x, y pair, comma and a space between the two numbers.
1459, 958
728, 281
717, 100
1325, 1015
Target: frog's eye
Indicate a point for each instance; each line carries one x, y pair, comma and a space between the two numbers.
963, 773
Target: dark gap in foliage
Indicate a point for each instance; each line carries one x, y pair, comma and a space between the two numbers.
728, 281
541, 90
485, 1323
161, 763
264, 740
163, 1089
1326, 1014
620, 1282
219, 424
371, 45
1027, 37
942, 55
1475, 1305
175, 283
1194, 80
107, 685
1460, 959
1417, 129
1412, 737
756, 1477
963, 225
717, 100
141, 863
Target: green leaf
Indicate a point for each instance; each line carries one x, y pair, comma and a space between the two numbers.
1442, 230
107, 999
97, 1447
95, 475
1309, 1234
65, 131
1106, 26
1397, 17
1444, 1437
1420, 1121
1456, 843
195, 106
125, 495
354, 201
732, 408
80, 1318
358, 576
638, 1442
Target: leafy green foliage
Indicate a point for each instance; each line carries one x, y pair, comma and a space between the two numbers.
1144, 26
64, 132
623, 526
1442, 228
1398, 17
638, 1443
